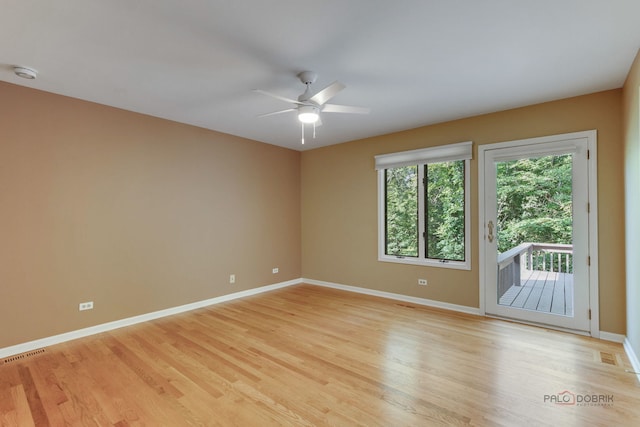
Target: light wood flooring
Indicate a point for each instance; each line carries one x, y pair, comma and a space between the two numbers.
307, 355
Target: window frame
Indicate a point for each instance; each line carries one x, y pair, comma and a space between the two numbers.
439, 154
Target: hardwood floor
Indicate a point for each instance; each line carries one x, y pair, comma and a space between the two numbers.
307, 355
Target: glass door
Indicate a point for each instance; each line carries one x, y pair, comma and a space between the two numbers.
536, 245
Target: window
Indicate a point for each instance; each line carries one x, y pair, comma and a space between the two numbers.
423, 209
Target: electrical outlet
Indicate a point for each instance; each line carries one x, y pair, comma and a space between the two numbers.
232, 278
85, 306
275, 270
422, 282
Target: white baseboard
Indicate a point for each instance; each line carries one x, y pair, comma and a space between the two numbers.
399, 297
68, 336
633, 357
609, 336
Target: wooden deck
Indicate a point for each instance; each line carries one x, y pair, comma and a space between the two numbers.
544, 291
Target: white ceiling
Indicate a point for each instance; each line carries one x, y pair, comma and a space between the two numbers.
414, 62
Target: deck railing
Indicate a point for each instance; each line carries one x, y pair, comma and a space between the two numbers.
532, 257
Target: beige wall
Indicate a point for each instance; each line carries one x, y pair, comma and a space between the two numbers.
339, 214
140, 214
132, 212
631, 101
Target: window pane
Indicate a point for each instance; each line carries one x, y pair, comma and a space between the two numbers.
401, 205
535, 200
444, 199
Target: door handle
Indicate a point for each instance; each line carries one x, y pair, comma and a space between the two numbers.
490, 235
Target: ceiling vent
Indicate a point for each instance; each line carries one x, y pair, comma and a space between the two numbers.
25, 72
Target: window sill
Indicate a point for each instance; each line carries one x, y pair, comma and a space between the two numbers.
456, 265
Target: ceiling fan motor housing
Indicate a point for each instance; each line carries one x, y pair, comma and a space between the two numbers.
308, 77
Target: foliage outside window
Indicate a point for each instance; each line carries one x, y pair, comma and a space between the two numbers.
445, 210
534, 197
535, 203
402, 211
423, 214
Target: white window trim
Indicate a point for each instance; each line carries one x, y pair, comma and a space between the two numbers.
443, 153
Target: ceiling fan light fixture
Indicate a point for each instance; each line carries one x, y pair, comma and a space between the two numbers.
308, 114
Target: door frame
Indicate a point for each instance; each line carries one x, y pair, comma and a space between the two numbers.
591, 136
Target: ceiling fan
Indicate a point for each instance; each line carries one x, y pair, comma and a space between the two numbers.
310, 105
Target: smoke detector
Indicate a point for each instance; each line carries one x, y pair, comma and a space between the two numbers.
25, 72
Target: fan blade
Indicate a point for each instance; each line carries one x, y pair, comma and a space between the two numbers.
335, 108
281, 98
277, 112
327, 93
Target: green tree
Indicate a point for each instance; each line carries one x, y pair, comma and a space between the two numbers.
445, 210
444, 213
534, 198
402, 211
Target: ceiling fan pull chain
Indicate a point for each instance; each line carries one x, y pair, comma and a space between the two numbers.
314, 130
302, 125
